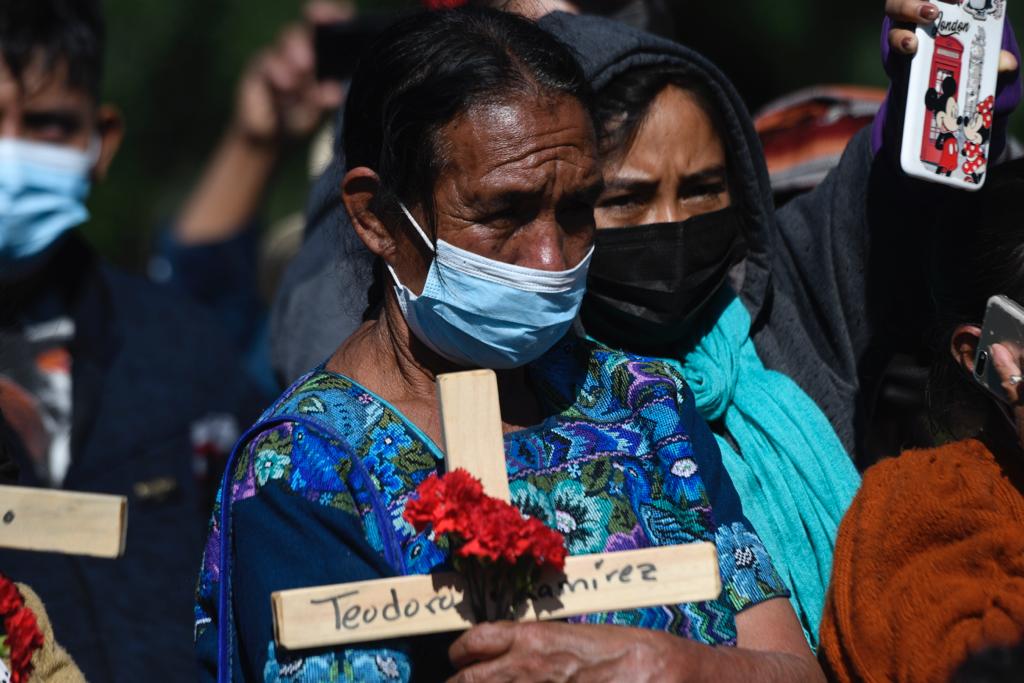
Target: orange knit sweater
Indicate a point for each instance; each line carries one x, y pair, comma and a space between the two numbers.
928, 568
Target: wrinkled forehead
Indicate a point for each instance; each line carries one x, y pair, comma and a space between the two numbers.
520, 144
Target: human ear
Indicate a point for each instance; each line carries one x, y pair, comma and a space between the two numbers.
964, 345
110, 125
359, 188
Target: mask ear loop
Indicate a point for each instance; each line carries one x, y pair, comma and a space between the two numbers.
423, 236
419, 230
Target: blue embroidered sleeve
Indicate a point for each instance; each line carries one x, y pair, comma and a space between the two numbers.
295, 524
748, 574
282, 543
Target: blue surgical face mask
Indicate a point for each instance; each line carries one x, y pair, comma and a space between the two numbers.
42, 193
479, 312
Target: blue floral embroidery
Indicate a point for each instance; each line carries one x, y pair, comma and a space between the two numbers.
684, 467
270, 465
372, 666
388, 441
582, 519
747, 571
532, 502
362, 666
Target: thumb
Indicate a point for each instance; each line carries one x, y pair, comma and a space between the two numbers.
482, 642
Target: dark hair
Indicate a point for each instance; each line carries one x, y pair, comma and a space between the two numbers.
55, 30
978, 252
427, 69
622, 106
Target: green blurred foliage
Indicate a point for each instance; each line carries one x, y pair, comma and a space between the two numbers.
172, 67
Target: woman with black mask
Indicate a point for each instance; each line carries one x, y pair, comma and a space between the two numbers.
767, 314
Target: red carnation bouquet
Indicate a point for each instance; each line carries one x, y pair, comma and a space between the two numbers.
21, 635
499, 552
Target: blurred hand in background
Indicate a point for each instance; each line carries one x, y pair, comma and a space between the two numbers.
279, 97
279, 101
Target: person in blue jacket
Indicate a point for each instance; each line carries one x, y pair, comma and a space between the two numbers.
107, 383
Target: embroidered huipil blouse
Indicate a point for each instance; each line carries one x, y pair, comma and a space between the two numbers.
622, 461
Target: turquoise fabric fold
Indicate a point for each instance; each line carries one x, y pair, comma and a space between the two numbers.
794, 478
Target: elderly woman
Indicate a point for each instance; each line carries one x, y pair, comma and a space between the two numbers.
472, 174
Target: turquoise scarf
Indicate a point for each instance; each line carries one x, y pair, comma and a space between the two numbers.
794, 478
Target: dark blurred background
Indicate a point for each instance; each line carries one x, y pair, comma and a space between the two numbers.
172, 68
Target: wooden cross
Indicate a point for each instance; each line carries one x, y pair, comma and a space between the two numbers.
66, 522
415, 605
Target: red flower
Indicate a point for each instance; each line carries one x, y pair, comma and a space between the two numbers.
420, 511
499, 552
23, 639
547, 546
444, 503
22, 632
488, 531
462, 488
10, 598
481, 527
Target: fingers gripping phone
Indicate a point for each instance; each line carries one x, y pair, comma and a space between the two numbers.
1004, 324
951, 94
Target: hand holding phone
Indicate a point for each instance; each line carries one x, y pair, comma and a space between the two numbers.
951, 92
1000, 349
1008, 367
279, 97
1000, 356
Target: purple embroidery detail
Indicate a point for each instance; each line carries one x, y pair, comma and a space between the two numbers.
631, 541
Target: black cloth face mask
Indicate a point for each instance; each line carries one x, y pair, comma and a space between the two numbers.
647, 283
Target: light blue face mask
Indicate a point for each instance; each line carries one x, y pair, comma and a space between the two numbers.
42, 192
479, 312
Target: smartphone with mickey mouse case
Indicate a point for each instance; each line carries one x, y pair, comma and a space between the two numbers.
951, 94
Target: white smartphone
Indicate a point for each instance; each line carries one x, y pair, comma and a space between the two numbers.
951, 95
1004, 324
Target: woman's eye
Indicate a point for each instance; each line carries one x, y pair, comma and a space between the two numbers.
703, 192
624, 200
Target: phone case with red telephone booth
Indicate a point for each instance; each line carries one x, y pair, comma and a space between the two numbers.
951, 96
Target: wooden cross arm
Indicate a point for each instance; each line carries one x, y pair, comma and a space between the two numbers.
62, 521
417, 605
